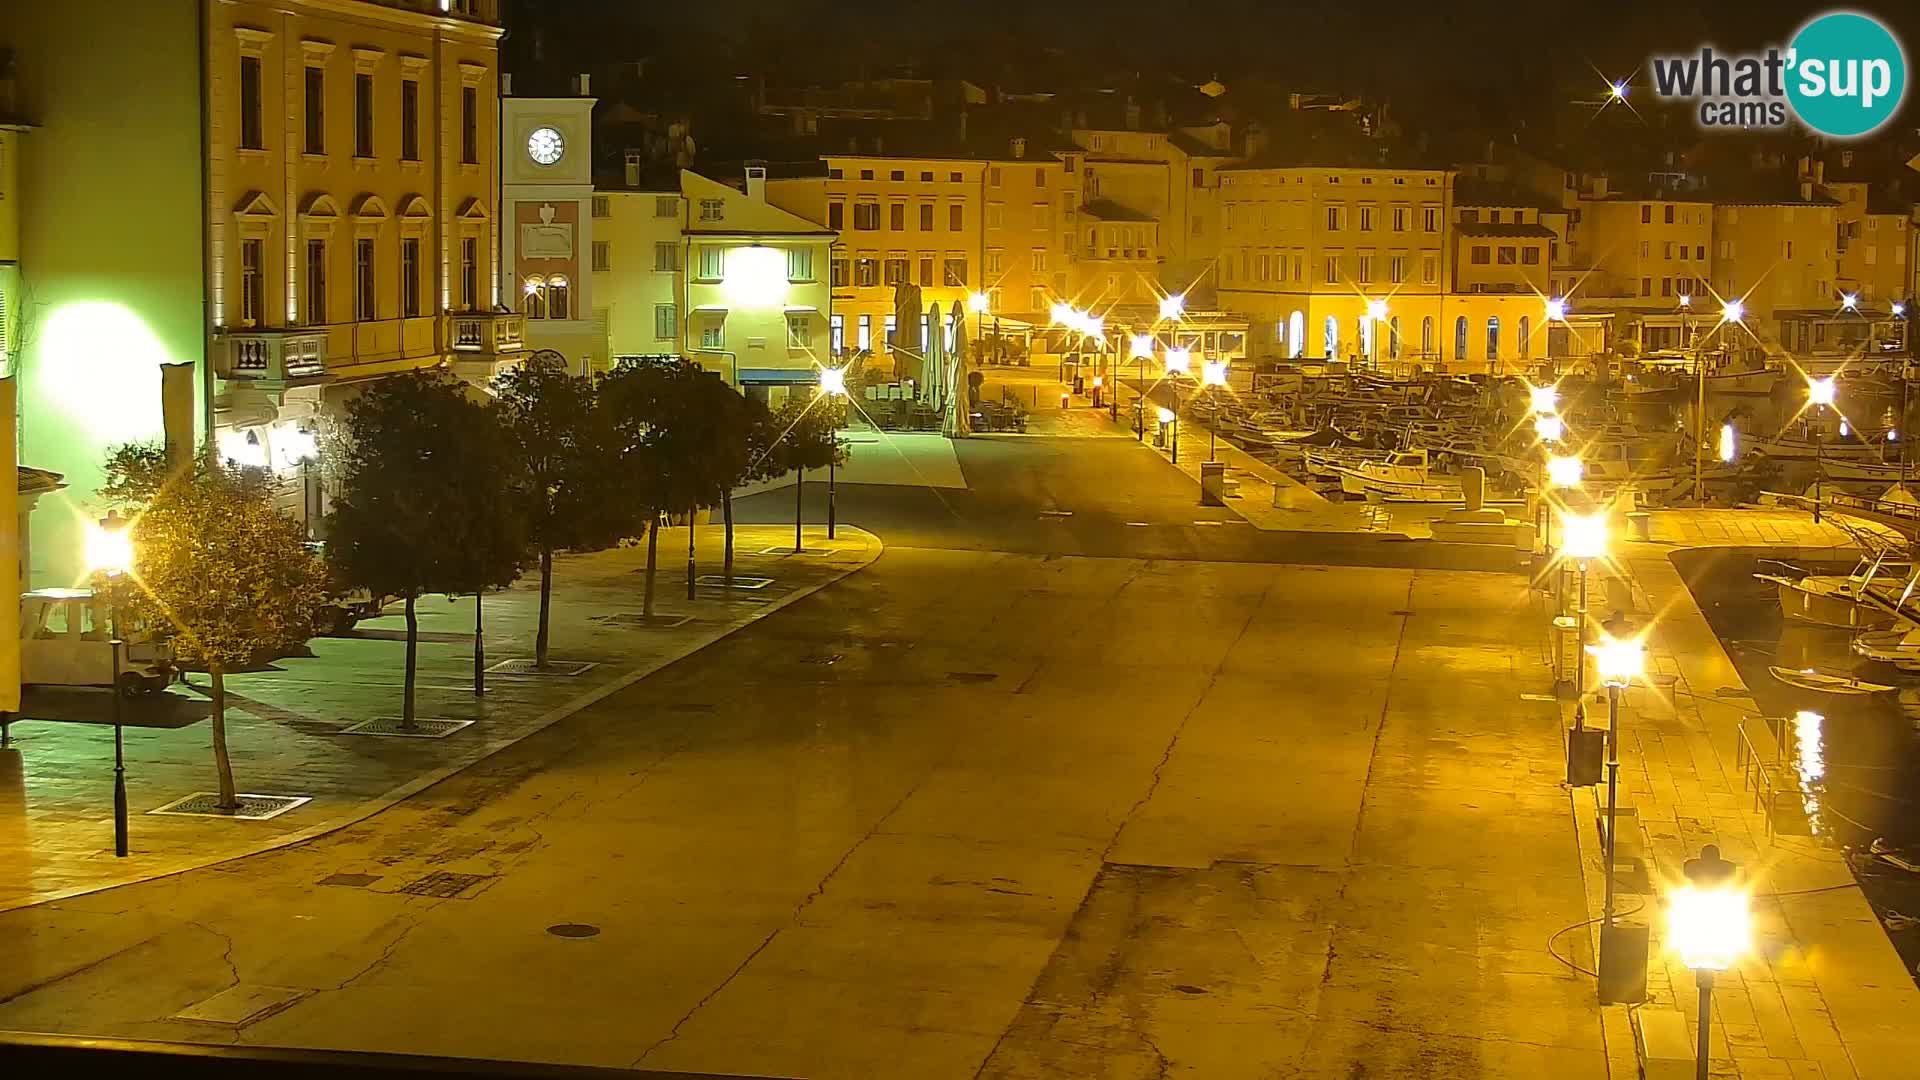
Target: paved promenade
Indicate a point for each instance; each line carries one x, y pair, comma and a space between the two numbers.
285, 725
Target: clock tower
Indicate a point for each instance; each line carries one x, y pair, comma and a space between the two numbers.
546, 211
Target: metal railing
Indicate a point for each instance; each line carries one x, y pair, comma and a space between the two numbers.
1757, 773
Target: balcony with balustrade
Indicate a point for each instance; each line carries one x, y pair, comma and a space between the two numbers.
272, 357
484, 342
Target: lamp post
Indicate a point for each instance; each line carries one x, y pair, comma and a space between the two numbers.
1376, 314
1709, 925
1731, 311
1583, 537
1179, 361
1563, 471
1171, 420
1820, 396
833, 384
1213, 375
1619, 663
1140, 349
110, 552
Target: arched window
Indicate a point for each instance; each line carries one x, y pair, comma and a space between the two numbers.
1393, 338
1426, 336
1460, 338
536, 304
1297, 333
1526, 347
1333, 338
1363, 333
559, 299
1493, 338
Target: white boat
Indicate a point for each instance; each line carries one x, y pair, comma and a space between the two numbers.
1878, 471
1839, 601
1405, 476
1827, 682
1899, 646
1328, 460
1795, 448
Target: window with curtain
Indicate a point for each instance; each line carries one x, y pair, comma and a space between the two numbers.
1332, 341
1460, 338
1493, 337
1426, 336
1526, 348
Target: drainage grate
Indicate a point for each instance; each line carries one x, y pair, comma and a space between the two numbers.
252, 807
790, 551
351, 881
719, 581
242, 1004
635, 620
445, 885
573, 930
423, 728
971, 676
559, 668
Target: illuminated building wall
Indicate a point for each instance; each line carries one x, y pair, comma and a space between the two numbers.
1778, 256
640, 285
757, 304
546, 195
1638, 254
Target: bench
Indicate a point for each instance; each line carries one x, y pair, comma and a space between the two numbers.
1665, 1048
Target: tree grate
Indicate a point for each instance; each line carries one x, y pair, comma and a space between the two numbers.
740, 581
351, 881
634, 620
423, 728
790, 551
252, 807
444, 885
554, 668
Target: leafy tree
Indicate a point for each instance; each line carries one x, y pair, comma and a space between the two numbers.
658, 412
734, 450
425, 505
567, 470
804, 434
217, 569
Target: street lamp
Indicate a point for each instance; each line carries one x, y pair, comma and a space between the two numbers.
1550, 428
1849, 301
1564, 471
1819, 396
833, 384
1169, 417
1729, 443
1709, 925
1618, 663
1213, 375
978, 303
1543, 400
1172, 307
1557, 309
1733, 310
1179, 361
1583, 538
109, 551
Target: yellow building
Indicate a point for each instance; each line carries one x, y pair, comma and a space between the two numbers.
1155, 191
639, 254
1874, 240
1637, 253
755, 303
999, 225
329, 219
1776, 253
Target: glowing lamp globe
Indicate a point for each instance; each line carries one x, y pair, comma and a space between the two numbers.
1543, 399
1564, 471
1213, 373
1619, 662
109, 551
1583, 536
1140, 347
1172, 307
1820, 391
1179, 361
1709, 927
1556, 308
833, 382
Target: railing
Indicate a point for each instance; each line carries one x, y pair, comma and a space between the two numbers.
1756, 773
276, 354
488, 332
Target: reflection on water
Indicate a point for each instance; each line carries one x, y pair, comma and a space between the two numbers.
1856, 760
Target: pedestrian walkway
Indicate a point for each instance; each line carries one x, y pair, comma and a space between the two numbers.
285, 725
1822, 993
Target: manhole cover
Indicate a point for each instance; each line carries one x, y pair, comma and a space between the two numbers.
252, 807
526, 666
573, 930
351, 881
971, 676
423, 728
719, 581
638, 621
443, 884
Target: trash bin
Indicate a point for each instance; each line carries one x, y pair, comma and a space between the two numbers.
1213, 483
1640, 523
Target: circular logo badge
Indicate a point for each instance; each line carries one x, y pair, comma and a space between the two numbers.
1847, 74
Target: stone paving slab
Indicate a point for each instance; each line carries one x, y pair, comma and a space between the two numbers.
285, 724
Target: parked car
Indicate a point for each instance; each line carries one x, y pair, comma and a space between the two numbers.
346, 606
64, 641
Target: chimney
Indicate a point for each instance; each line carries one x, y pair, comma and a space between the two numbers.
1018, 147
757, 182
583, 85
506, 84
633, 168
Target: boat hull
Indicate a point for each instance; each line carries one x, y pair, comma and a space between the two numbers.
1801, 604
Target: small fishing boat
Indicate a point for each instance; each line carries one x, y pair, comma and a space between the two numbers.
1798, 448
1882, 472
1405, 476
1840, 601
1328, 461
1826, 682
1899, 646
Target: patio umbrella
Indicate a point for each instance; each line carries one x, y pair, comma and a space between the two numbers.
935, 383
959, 423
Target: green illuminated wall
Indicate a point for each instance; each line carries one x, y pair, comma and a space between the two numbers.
111, 251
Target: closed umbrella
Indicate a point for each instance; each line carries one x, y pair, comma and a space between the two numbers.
959, 423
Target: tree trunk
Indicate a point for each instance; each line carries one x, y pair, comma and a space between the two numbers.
726, 509
406, 693
691, 595
479, 648
653, 549
799, 500
221, 763
546, 605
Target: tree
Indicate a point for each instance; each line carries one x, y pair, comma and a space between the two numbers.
804, 434
736, 443
657, 411
567, 473
425, 505
217, 570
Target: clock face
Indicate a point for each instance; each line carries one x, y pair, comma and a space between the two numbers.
545, 146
